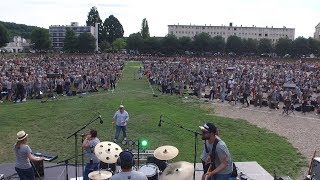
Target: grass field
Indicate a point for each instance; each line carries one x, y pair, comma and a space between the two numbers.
48, 125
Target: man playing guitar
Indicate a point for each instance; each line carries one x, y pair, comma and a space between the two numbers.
219, 157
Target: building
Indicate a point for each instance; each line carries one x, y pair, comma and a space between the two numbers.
317, 33
17, 45
58, 33
274, 34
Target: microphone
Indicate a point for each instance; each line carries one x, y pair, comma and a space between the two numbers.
101, 122
160, 121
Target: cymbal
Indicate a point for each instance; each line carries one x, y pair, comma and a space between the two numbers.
99, 175
180, 170
166, 152
107, 152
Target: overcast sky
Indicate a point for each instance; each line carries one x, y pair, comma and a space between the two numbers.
303, 15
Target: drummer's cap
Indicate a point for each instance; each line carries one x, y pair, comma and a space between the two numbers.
209, 127
126, 158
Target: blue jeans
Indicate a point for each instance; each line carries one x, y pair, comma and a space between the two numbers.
89, 168
222, 177
124, 130
26, 174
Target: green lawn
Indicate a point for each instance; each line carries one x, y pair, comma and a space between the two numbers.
48, 125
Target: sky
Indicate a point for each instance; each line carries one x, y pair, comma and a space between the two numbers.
303, 15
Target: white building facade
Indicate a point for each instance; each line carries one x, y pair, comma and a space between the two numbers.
274, 34
317, 33
16, 45
58, 33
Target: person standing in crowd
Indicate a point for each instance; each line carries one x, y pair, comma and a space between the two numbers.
89, 143
120, 118
221, 166
207, 146
23, 157
126, 161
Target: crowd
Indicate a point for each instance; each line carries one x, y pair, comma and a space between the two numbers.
257, 81
39, 76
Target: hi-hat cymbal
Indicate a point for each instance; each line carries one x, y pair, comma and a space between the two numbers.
100, 175
166, 152
107, 152
180, 170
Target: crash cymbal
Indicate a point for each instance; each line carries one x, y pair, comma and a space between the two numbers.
166, 152
180, 170
107, 152
100, 175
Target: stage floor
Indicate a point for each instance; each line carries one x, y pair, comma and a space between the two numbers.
58, 171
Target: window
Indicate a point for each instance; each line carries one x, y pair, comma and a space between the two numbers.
235, 29
266, 35
260, 34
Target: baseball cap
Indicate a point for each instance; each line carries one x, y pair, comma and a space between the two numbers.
121, 106
126, 158
210, 127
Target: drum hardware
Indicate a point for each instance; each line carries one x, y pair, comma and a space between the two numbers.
107, 152
150, 170
99, 175
180, 170
166, 152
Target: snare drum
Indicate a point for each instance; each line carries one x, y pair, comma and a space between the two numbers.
150, 170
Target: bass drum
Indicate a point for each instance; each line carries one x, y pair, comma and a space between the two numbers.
150, 170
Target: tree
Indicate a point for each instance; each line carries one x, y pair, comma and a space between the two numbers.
264, 46
250, 46
185, 44
234, 44
93, 18
104, 45
40, 39
283, 46
300, 46
169, 44
119, 44
86, 43
202, 42
70, 41
218, 44
314, 46
135, 42
151, 45
112, 29
4, 37
145, 29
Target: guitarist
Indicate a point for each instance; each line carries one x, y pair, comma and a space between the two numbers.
219, 158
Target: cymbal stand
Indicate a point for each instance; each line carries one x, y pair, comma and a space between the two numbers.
195, 141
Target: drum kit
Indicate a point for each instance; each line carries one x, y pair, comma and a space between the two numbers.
108, 152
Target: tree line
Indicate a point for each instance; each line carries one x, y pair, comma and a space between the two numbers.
110, 37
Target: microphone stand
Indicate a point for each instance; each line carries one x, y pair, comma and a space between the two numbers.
75, 134
66, 162
195, 142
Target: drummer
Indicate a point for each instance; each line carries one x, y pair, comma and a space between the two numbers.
92, 162
126, 162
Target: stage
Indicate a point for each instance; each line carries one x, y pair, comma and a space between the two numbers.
58, 171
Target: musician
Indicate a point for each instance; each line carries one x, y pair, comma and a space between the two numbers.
92, 162
207, 148
220, 161
23, 157
126, 162
120, 118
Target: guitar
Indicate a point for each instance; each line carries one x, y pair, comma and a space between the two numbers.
210, 169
